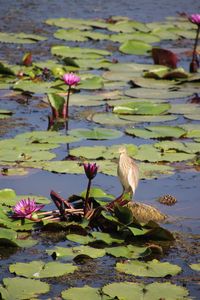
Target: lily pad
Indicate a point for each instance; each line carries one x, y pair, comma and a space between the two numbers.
96, 133
135, 47
77, 52
22, 288
154, 132
153, 291
147, 118
20, 38
152, 268
195, 267
40, 269
129, 251
37, 87
71, 253
85, 292
150, 171
156, 93
142, 108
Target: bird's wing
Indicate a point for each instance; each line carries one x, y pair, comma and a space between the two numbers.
133, 177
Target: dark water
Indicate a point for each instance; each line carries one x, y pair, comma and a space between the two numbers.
29, 16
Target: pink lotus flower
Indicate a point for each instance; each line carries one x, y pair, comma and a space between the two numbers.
90, 170
195, 19
71, 79
25, 208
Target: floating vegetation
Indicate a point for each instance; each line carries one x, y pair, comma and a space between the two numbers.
111, 100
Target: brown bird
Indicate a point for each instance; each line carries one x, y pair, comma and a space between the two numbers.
128, 173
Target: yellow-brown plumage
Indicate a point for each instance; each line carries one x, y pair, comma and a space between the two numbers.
128, 173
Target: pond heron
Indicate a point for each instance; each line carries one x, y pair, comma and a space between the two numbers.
128, 172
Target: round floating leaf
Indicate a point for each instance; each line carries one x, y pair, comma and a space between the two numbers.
36, 87
106, 238
71, 253
80, 293
70, 35
98, 194
93, 83
195, 267
96, 133
142, 108
77, 52
40, 269
22, 288
82, 24
109, 119
7, 197
135, 47
150, 171
68, 167
137, 36
193, 130
20, 38
146, 118
153, 291
130, 251
189, 147
185, 108
153, 132
156, 93
152, 268
81, 239
6, 234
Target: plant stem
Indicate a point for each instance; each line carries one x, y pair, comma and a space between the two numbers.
86, 206
67, 104
194, 54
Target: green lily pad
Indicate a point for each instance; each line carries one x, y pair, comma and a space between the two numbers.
135, 47
130, 251
40, 269
153, 291
168, 146
76, 52
193, 130
22, 288
137, 36
68, 167
82, 24
93, 83
20, 38
184, 108
151, 171
154, 132
36, 87
9, 171
7, 196
71, 253
85, 292
156, 93
96, 133
195, 267
147, 118
142, 108
80, 239
128, 26
109, 119
98, 194
152, 268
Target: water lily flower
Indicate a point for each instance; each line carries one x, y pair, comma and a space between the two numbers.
70, 79
90, 170
26, 208
195, 19
194, 65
